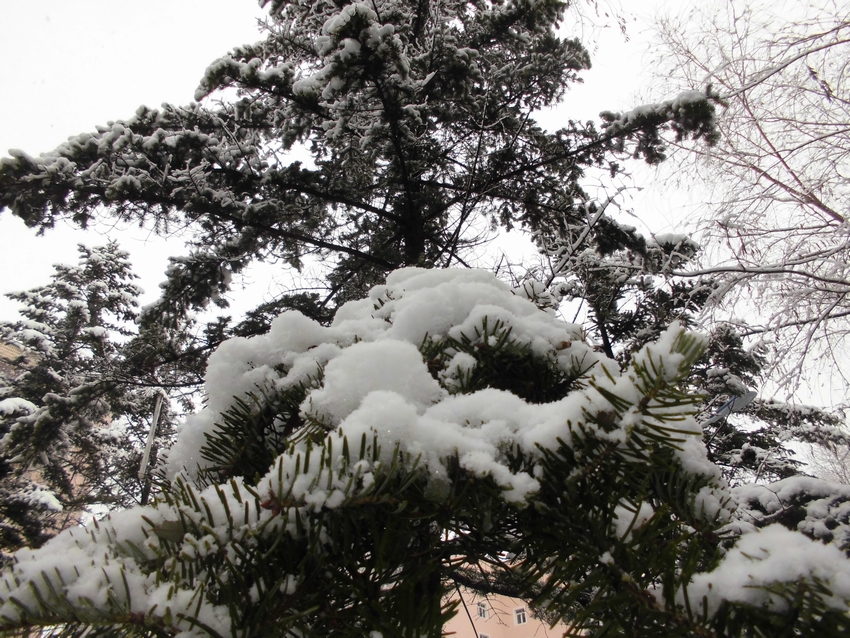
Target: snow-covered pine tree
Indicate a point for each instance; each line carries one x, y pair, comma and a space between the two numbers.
70, 420
444, 430
415, 128
311, 506
632, 289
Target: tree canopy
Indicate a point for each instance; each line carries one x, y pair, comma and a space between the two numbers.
72, 423
415, 128
416, 426
443, 430
774, 216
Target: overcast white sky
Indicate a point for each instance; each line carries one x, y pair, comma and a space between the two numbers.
66, 67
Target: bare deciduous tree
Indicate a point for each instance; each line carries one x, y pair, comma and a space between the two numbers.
775, 222
831, 462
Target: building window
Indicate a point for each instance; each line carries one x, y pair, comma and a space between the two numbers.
482, 610
519, 615
483, 636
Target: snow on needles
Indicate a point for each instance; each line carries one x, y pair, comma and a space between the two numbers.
766, 557
368, 384
376, 383
373, 346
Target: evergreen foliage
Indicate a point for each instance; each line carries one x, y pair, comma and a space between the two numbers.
358, 458
597, 503
355, 138
630, 288
363, 137
368, 136
71, 425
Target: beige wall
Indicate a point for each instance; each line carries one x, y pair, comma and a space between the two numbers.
10, 367
497, 618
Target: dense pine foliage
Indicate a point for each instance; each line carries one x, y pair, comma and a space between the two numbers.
417, 122
72, 424
411, 427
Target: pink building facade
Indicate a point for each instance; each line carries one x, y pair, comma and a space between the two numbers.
495, 616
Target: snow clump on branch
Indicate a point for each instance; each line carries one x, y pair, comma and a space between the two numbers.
375, 383
398, 375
